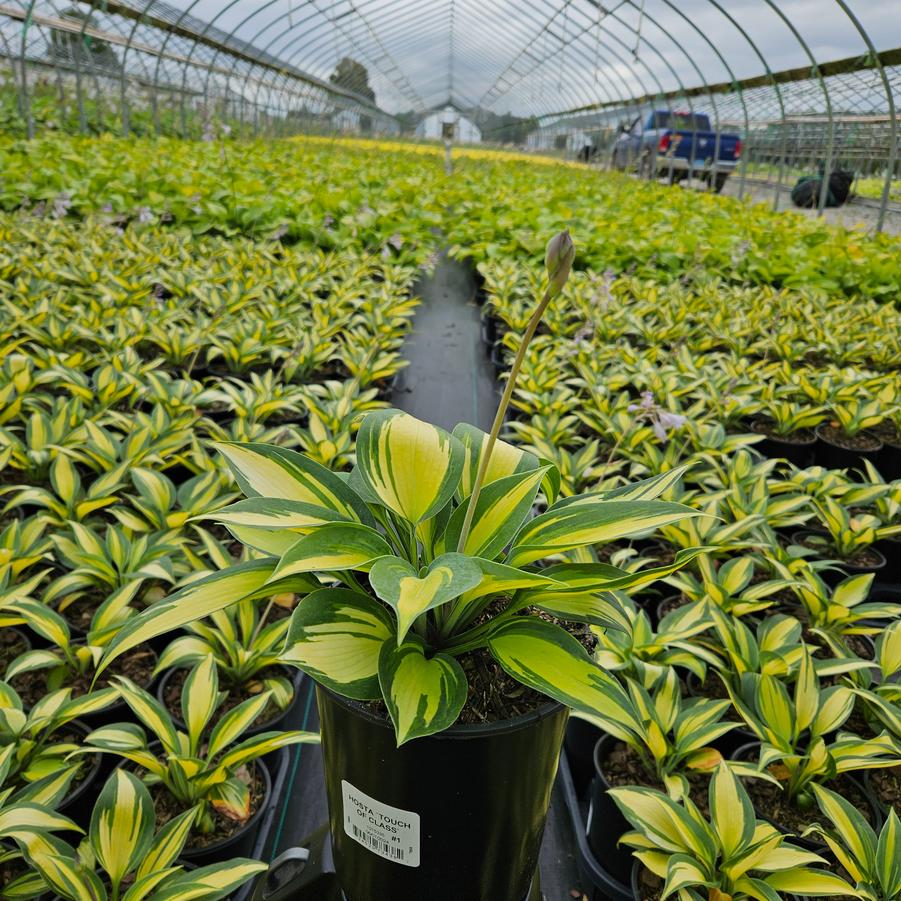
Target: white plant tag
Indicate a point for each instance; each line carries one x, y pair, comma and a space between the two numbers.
388, 831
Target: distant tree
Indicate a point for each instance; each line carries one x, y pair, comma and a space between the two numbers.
81, 49
503, 128
408, 121
352, 76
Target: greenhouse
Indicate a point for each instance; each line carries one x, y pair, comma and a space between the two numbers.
450, 450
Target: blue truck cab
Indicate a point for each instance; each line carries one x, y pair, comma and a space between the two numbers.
675, 145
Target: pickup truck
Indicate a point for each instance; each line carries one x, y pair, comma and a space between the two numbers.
677, 145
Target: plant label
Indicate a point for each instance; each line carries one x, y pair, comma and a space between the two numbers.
388, 831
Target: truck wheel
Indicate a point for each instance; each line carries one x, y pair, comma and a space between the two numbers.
720, 183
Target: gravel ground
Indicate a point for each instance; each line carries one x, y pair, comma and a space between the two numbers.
852, 215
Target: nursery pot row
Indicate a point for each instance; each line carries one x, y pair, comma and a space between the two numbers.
455, 815
606, 824
821, 447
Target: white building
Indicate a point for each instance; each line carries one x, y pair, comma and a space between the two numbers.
449, 123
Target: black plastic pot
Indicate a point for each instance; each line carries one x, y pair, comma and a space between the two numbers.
598, 883
657, 613
467, 806
800, 453
277, 723
606, 825
834, 456
889, 463
750, 752
635, 879
890, 548
243, 842
581, 737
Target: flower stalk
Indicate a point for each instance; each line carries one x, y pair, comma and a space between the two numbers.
558, 261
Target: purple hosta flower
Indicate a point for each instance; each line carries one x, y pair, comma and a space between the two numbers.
145, 215
328, 220
208, 134
107, 208
396, 241
386, 254
225, 130
61, 204
280, 232
366, 209
39, 209
431, 261
662, 420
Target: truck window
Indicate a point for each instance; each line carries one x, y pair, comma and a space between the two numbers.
680, 121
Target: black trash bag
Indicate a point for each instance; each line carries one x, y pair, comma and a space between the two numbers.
806, 192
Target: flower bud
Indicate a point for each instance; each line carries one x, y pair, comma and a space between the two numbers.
558, 259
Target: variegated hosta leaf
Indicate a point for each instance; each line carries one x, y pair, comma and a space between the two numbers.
122, 824
423, 694
645, 490
336, 636
506, 459
237, 721
17, 821
69, 878
149, 711
731, 812
410, 466
595, 522
337, 546
167, 844
210, 883
231, 798
501, 509
266, 541
264, 470
604, 577
275, 513
201, 598
398, 583
549, 660
199, 699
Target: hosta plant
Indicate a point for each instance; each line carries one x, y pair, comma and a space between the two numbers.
429, 553
836, 614
872, 861
670, 736
635, 649
28, 821
67, 659
199, 767
847, 533
247, 649
729, 587
800, 741
35, 742
733, 855
124, 858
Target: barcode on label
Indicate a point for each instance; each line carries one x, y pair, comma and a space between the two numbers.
377, 845
390, 832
